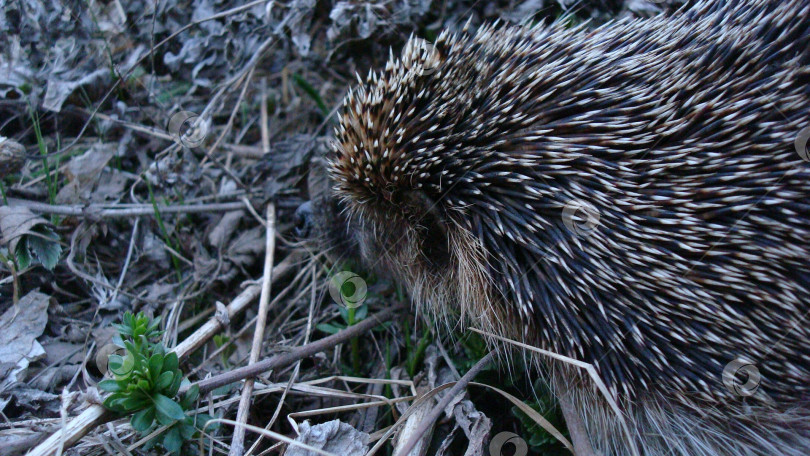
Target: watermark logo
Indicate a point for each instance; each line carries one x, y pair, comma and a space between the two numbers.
188, 129
496, 445
425, 59
580, 217
733, 382
348, 289
111, 357
801, 144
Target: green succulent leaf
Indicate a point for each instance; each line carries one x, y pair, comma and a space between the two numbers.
142, 421
168, 408
155, 365
110, 386
176, 383
164, 381
133, 402
173, 441
131, 347
171, 363
192, 394
115, 362
187, 430
152, 327
329, 328
146, 384
123, 365
361, 313
113, 402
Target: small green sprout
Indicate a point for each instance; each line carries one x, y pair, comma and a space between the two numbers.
145, 384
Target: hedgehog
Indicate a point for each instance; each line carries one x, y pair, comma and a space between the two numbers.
628, 196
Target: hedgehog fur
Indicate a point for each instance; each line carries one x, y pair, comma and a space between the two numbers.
628, 196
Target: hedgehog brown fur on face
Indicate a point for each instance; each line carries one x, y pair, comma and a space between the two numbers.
458, 167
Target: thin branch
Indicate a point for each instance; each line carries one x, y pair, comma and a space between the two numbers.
101, 211
304, 351
236, 149
238, 439
297, 368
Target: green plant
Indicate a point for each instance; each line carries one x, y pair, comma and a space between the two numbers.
50, 179
39, 245
539, 439
3, 192
312, 92
166, 238
351, 316
221, 340
146, 381
474, 348
415, 352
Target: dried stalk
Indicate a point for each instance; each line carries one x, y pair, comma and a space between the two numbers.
101, 211
237, 442
304, 351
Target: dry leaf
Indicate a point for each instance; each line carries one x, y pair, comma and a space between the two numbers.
225, 228
12, 156
19, 329
334, 437
16, 222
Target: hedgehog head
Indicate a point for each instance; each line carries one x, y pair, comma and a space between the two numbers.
396, 166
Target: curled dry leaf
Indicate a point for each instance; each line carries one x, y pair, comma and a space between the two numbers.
225, 228
87, 179
19, 329
334, 437
12, 156
16, 222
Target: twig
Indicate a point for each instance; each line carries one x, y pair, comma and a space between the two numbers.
96, 415
237, 441
294, 375
124, 269
439, 408
95, 210
235, 109
238, 336
74, 269
15, 281
272, 434
209, 153
304, 351
236, 149
263, 126
244, 151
